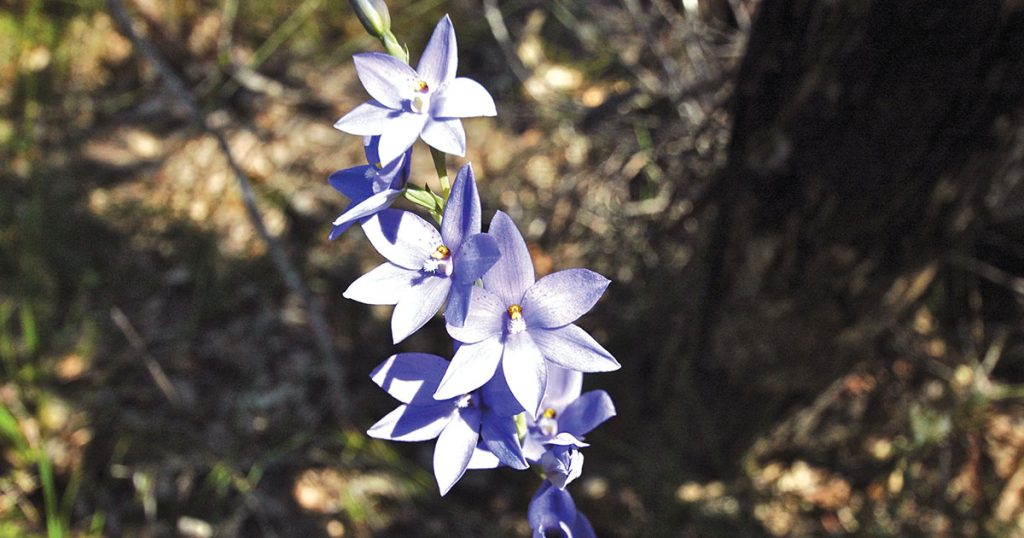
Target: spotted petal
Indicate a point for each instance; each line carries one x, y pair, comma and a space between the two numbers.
561, 298
366, 119
413, 423
485, 318
411, 378
440, 57
471, 367
462, 98
525, 370
384, 284
386, 79
446, 135
571, 347
455, 448
586, 413
402, 237
462, 212
513, 274
418, 305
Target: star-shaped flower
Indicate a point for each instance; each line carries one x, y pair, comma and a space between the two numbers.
473, 430
423, 103
552, 510
370, 188
523, 325
424, 267
553, 440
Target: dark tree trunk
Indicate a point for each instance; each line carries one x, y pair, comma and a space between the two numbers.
873, 143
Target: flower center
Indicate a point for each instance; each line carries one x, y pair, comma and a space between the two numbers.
464, 401
421, 96
516, 323
422, 87
440, 262
547, 424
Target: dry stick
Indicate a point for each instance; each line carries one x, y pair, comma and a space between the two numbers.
135, 340
331, 367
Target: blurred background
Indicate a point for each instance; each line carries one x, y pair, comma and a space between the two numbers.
812, 214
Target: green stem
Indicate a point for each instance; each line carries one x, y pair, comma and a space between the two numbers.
442, 173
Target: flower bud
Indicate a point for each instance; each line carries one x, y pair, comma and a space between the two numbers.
374, 16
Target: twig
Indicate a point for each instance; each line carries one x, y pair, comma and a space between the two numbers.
495, 20
135, 340
331, 367
991, 273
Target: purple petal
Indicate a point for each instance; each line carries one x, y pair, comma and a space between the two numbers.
440, 57
571, 347
457, 309
399, 133
471, 367
561, 298
357, 211
394, 174
550, 509
402, 237
586, 413
564, 387
562, 465
413, 423
411, 378
355, 183
418, 305
462, 212
384, 284
386, 79
477, 255
462, 98
513, 274
582, 527
485, 318
525, 371
483, 459
500, 436
366, 119
455, 447
446, 135
498, 398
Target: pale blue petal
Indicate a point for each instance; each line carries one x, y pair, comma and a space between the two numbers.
440, 57
386, 79
455, 448
586, 413
411, 378
477, 255
462, 98
356, 211
413, 423
550, 509
462, 212
525, 371
471, 367
571, 347
418, 305
498, 399
562, 465
513, 274
561, 298
500, 436
402, 237
399, 133
485, 319
564, 387
446, 135
366, 119
383, 285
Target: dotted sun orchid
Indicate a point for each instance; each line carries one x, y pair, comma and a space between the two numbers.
427, 102
473, 431
553, 440
552, 510
521, 325
426, 268
371, 188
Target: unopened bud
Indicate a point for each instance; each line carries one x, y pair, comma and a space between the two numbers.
374, 16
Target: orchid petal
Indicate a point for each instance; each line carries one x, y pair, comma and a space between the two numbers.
455, 448
383, 285
445, 135
402, 237
462, 98
477, 255
561, 298
485, 318
471, 367
586, 413
513, 274
355, 183
367, 119
462, 212
502, 440
582, 528
440, 57
356, 211
411, 378
571, 347
550, 509
413, 423
564, 387
498, 398
399, 133
483, 459
386, 79
525, 371
418, 305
